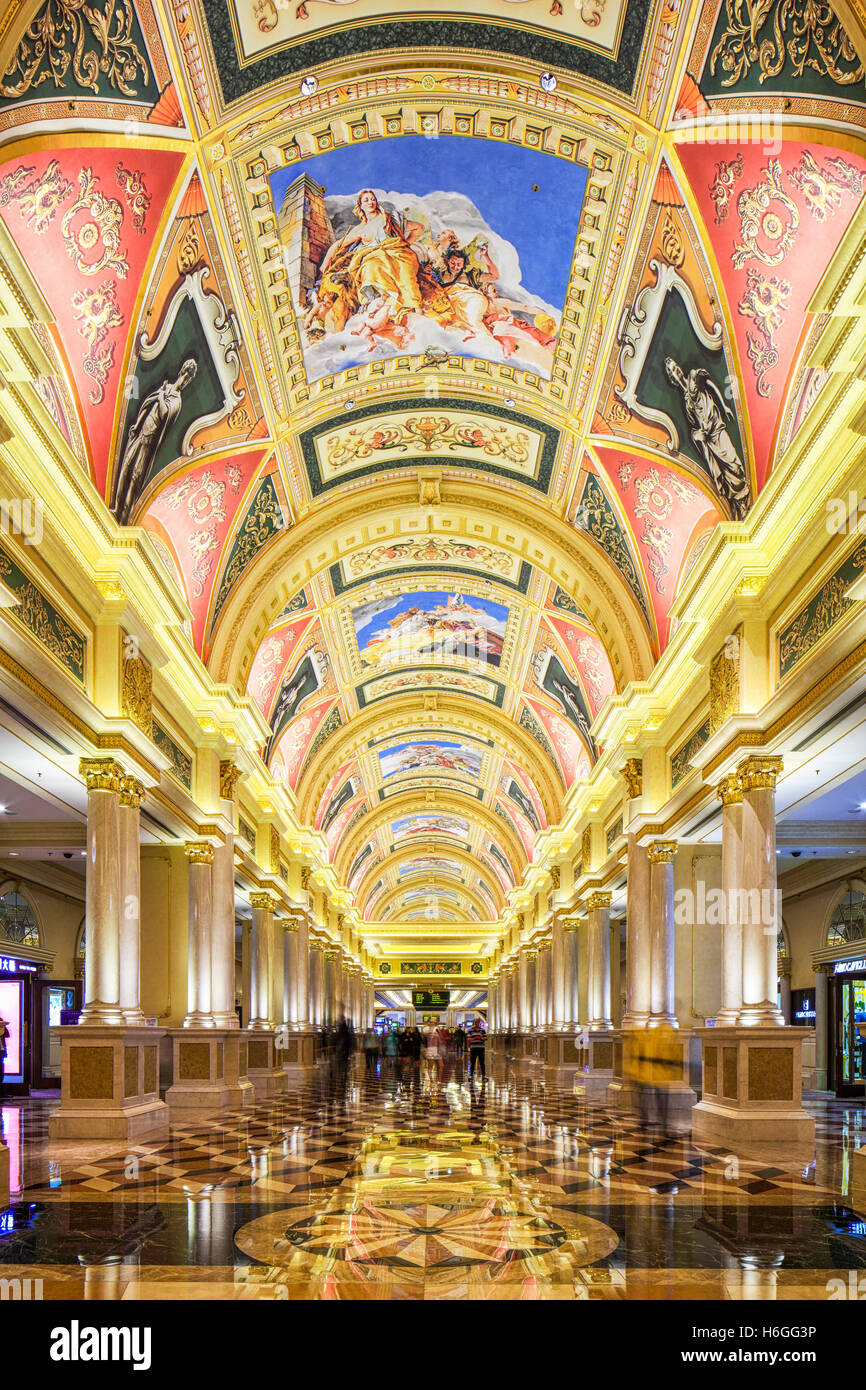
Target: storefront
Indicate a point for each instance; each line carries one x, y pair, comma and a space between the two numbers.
31, 1004
846, 1046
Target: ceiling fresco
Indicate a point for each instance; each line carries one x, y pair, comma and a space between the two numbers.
427, 349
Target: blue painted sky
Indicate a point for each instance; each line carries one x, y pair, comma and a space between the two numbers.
498, 178
388, 609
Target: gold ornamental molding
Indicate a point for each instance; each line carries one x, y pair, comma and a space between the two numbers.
633, 774
230, 775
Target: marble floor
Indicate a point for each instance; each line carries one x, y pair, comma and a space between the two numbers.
395, 1187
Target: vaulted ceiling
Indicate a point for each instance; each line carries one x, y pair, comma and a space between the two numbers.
430, 463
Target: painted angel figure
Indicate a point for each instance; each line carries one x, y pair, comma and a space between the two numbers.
156, 414
708, 414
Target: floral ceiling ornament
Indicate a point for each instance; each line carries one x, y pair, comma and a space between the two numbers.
823, 186
429, 433
768, 220
806, 33
722, 187
765, 302
91, 230
96, 311
40, 198
94, 41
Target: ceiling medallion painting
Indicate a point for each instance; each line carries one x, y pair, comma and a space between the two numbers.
420, 627
400, 265
445, 432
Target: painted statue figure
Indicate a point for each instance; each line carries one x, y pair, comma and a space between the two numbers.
157, 413
708, 414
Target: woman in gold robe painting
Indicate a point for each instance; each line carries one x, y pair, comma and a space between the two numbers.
374, 261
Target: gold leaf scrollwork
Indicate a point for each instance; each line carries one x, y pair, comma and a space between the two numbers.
806, 33
724, 688
136, 700
94, 42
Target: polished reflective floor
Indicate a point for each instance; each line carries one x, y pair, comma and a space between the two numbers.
410, 1187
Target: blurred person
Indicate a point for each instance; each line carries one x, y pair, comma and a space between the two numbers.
477, 1040
371, 1050
4, 1034
459, 1041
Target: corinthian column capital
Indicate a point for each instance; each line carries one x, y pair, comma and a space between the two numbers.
598, 901
760, 771
198, 852
101, 774
730, 790
266, 901
662, 851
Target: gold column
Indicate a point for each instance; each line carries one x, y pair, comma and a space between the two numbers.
662, 998
261, 990
730, 793
759, 907
102, 893
598, 1001
131, 797
199, 926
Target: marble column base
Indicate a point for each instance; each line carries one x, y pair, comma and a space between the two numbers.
858, 1181
598, 1071
752, 1087
645, 1059
264, 1068
297, 1055
242, 1091
4, 1175
564, 1057
198, 1072
109, 1084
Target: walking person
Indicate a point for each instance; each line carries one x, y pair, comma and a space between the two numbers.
459, 1041
4, 1033
477, 1040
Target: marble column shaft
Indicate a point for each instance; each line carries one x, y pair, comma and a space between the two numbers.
637, 947
760, 926
102, 893
199, 1007
662, 996
261, 961
598, 928
131, 796
730, 793
223, 935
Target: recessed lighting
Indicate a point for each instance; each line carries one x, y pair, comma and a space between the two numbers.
83, 853
309, 86
13, 854
2, 810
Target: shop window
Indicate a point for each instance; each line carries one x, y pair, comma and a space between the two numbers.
848, 923
17, 921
